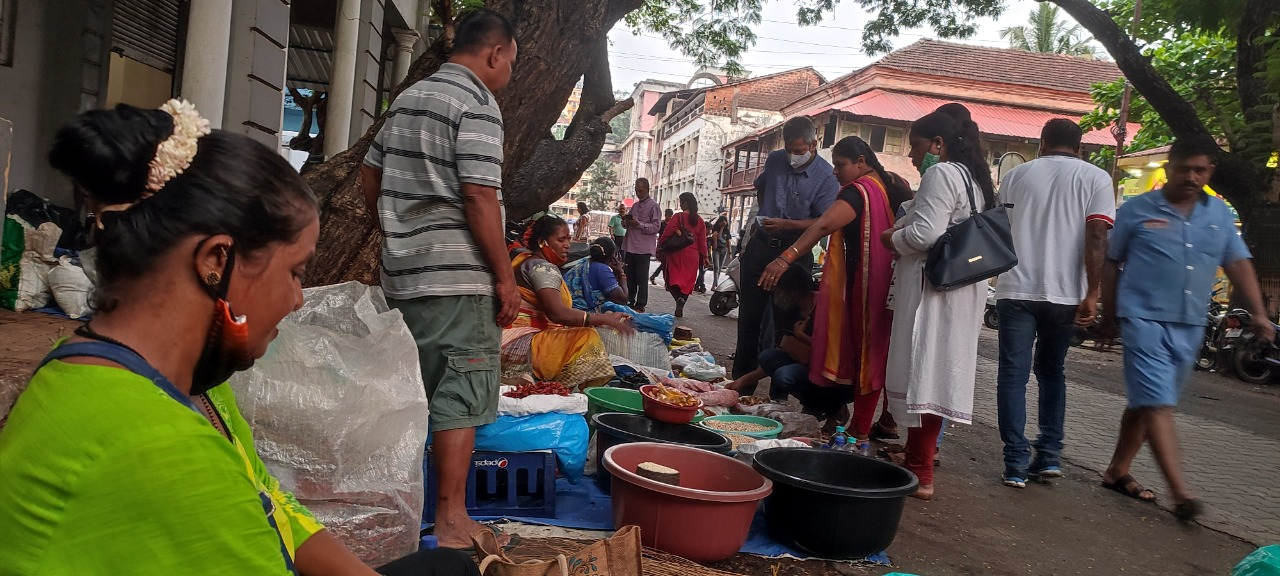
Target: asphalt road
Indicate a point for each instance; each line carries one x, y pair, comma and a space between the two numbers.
1209, 395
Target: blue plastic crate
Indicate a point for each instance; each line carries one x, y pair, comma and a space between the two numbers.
502, 484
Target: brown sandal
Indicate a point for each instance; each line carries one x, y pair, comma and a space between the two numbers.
1129, 487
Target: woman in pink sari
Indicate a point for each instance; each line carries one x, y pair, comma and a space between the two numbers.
852, 318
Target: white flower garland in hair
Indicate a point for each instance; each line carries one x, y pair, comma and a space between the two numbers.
176, 152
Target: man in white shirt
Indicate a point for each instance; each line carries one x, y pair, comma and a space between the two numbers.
1062, 209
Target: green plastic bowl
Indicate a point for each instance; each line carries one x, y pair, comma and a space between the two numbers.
605, 399
775, 427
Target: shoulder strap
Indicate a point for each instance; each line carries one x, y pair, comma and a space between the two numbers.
125, 357
968, 186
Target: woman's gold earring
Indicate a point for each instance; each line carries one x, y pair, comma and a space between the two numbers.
212, 279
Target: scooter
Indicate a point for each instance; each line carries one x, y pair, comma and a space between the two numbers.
990, 318
1254, 362
724, 295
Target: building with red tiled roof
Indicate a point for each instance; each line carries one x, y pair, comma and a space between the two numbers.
1010, 93
693, 124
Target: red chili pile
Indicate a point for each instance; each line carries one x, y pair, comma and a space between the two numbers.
547, 387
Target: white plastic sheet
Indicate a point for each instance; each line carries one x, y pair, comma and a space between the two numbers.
340, 417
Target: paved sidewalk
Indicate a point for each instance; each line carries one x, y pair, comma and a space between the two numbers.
1231, 470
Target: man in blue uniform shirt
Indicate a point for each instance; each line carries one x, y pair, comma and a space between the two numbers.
1162, 260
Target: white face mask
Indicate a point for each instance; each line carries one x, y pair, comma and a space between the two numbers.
798, 161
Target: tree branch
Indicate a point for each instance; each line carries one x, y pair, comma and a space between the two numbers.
1176, 111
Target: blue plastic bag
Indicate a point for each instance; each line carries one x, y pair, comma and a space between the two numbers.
661, 324
564, 434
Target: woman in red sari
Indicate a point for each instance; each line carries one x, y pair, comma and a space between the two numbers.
683, 264
852, 318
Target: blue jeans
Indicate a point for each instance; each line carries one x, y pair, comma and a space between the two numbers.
790, 378
1050, 327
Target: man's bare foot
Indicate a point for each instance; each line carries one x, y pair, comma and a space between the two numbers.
923, 492
456, 532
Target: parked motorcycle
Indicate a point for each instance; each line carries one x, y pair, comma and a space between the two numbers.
724, 296
990, 319
1254, 362
1210, 357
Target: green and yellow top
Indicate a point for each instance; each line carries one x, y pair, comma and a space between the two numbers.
102, 472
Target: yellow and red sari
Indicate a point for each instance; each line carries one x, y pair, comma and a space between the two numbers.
572, 355
852, 322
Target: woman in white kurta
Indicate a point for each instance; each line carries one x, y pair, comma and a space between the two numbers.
934, 345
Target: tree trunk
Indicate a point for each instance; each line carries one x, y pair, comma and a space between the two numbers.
560, 41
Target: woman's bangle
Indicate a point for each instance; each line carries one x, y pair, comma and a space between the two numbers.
793, 248
586, 319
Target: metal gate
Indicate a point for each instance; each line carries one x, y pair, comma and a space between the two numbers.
147, 31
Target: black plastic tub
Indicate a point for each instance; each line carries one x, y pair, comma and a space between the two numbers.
833, 504
613, 428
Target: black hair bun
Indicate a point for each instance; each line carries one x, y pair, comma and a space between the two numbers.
108, 152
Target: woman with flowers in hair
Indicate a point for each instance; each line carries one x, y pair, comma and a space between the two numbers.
126, 453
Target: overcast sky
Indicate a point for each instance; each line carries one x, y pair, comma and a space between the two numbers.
833, 47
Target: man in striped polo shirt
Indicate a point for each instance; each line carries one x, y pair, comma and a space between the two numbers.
433, 177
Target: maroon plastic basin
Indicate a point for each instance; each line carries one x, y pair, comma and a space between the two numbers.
705, 519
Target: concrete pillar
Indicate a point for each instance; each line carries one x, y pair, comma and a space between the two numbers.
342, 79
405, 40
204, 67
257, 66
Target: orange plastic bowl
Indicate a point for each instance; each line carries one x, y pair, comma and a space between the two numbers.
665, 412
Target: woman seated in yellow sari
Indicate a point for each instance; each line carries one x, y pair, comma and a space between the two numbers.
549, 338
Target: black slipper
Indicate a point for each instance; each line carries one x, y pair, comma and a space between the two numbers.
1129, 487
1188, 510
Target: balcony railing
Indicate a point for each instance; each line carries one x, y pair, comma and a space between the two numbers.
730, 178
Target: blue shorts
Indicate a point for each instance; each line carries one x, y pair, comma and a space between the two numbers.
1158, 359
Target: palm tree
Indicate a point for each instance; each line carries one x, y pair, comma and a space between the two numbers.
1046, 33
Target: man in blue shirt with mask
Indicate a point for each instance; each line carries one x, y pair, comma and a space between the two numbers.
793, 190
1170, 243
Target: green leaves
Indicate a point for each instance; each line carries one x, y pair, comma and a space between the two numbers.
599, 186
714, 34
1201, 67
1046, 33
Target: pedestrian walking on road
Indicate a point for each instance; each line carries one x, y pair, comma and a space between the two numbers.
688, 230
1161, 262
933, 352
662, 266
1055, 287
582, 228
445, 264
616, 227
642, 224
793, 190
852, 321
720, 239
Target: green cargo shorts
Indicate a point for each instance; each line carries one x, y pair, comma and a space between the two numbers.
458, 343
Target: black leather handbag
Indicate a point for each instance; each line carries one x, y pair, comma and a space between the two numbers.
974, 250
677, 242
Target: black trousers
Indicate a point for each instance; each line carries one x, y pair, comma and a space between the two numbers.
763, 316
437, 562
636, 267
